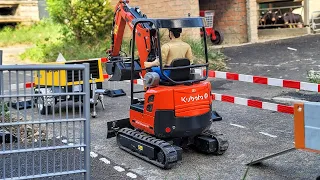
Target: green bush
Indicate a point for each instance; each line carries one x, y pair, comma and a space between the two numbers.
84, 19
37, 32
48, 52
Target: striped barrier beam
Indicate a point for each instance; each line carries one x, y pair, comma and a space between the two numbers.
265, 80
253, 103
245, 102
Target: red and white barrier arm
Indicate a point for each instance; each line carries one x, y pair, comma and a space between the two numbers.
246, 102
253, 103
265, 80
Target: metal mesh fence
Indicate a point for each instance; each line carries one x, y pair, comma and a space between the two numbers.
44, 130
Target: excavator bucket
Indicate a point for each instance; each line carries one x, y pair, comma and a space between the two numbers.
121, 70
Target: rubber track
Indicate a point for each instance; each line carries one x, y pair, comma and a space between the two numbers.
171, 156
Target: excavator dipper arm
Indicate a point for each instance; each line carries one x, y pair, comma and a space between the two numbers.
119, 66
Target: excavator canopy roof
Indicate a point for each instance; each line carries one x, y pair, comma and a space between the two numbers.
190, 22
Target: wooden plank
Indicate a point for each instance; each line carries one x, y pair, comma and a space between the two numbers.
17, 2
11, 19
271, 1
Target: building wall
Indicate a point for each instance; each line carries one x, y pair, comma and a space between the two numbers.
230, 18
26, 11
165, 9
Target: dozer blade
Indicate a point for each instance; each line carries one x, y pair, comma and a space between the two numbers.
115, 126
121, 70
215, 116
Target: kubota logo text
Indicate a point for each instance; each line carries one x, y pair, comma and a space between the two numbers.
194, 98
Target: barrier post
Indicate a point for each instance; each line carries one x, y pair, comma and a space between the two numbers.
306, 130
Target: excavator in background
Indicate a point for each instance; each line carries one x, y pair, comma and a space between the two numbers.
172, 115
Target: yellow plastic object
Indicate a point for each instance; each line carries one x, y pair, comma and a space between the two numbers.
60, 78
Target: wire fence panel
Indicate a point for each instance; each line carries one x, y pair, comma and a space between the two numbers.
44, 130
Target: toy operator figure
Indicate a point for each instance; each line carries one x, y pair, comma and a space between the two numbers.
174, 49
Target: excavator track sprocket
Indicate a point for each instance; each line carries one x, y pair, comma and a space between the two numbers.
211, 142
155, 151
223, 143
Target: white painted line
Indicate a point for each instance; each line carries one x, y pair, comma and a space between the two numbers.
133, 176
65, 141
275, 82
118, 168
267, 134
245, 78
237, 125
241, 101
105, 160
309, 86
292, 49
93, 154
269, 106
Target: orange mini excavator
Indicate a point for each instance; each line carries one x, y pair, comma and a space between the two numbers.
174, 114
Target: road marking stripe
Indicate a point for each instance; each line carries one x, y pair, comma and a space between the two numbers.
93, 154
237, 125
118, 168
133, 176
105, 160
267, 134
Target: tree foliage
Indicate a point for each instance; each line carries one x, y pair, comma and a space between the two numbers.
84, 19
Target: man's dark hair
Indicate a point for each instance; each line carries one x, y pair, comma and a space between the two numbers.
176, 32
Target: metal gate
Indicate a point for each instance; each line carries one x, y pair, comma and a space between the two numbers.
44, 130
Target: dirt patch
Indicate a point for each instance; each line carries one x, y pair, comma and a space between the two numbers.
11, 54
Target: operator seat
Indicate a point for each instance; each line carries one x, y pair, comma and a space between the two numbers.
178, 74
